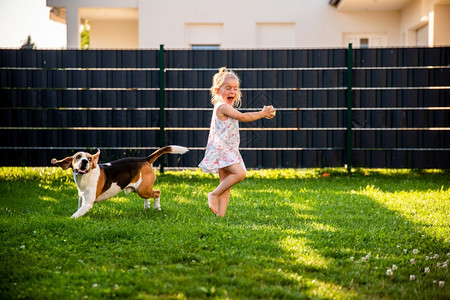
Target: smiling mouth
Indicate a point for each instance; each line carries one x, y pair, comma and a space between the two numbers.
79, 171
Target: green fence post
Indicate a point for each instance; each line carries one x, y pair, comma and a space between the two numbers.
349, 107
162, 103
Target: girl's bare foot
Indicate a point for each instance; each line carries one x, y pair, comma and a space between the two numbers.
212, 203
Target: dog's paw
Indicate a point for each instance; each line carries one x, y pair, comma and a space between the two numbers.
146, 204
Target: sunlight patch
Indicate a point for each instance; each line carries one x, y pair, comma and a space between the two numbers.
183, 200
122, 198
324, 289
322, 227
302, 253
48, 199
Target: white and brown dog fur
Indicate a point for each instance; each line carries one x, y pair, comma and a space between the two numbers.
97, 182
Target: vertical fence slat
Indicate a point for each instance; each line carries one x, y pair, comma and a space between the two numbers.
162, 102
349, 107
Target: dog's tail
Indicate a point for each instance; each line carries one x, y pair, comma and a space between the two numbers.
164, 150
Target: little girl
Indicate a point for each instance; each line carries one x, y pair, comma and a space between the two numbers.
222, 151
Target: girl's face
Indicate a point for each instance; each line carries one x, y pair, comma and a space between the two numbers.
229, 90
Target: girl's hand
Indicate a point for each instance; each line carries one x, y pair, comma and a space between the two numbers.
268, 111
227, 111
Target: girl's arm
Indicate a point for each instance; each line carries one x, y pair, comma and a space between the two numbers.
225, 110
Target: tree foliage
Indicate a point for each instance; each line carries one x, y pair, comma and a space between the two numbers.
85, 36
28, 44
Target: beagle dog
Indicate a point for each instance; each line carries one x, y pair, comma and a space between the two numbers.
97, 182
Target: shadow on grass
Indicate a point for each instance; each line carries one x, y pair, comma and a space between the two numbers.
339, 238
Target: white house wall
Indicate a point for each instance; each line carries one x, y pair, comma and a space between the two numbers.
259, 23
420, 13
315, 23
442, 25
114, 34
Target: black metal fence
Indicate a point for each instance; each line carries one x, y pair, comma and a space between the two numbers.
56, 102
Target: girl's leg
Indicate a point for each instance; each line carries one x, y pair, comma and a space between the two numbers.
230, 176
223, 199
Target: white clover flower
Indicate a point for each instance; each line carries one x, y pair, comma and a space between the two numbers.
394, 267
415, 251
389, 272
444, 265
438, 265
363, 259
398, 246
434, 281
95, 285
426, 270
436, 256
427, 257
412, 277
441, 283
352, 258
413, 262
405, 250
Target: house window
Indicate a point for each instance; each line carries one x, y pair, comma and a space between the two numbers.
364, 43
204, 36
365, 40
205, 47
422, 36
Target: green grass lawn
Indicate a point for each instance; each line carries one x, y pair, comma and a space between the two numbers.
288, 234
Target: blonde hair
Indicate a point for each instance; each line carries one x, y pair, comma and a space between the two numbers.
217, 82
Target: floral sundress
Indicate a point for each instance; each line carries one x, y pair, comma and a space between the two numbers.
222, 149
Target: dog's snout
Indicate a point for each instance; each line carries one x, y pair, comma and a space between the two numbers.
83, 164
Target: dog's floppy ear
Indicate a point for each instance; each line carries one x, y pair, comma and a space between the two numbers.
63, 163
95, 158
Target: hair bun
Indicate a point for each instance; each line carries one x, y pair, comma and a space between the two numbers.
223, 70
